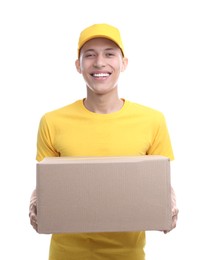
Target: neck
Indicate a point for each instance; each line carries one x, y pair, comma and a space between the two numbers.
103, 104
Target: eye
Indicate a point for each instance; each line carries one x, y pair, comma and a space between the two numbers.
89, 55
110, 54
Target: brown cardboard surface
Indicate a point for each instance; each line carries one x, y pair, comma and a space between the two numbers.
103, 194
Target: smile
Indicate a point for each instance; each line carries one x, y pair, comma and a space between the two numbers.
100, 75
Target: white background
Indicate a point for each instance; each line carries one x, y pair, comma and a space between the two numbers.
164, 41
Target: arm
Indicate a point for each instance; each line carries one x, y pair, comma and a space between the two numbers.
175, 211
44, 149
33, 210
162, 145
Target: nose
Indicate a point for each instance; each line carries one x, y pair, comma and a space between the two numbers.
99, 61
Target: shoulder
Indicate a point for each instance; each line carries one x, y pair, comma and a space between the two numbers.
59, 115
65, 110
144, 110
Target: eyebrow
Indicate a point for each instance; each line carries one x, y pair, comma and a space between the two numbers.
107, 49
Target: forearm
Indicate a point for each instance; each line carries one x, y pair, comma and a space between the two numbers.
33, 210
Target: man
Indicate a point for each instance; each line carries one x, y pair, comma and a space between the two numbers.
102, 124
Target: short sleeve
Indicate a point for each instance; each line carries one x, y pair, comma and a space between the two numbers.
45, 146
161, 144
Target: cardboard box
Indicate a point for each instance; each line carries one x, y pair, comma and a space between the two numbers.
103, 194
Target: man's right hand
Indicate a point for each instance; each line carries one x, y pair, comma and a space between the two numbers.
33, 210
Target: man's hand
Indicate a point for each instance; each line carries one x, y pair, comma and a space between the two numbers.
175, 211
33, 210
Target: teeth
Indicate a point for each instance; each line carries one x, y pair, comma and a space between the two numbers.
101, 75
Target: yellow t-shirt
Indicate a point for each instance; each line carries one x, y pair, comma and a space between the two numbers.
75, 131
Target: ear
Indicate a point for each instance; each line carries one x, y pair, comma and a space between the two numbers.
124, 64
77, 65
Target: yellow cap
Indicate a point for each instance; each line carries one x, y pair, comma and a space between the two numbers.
100, 30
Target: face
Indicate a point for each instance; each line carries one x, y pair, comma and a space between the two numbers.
101, 63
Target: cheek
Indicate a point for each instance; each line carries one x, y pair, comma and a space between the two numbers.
82, 67
122, 68
118, 65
